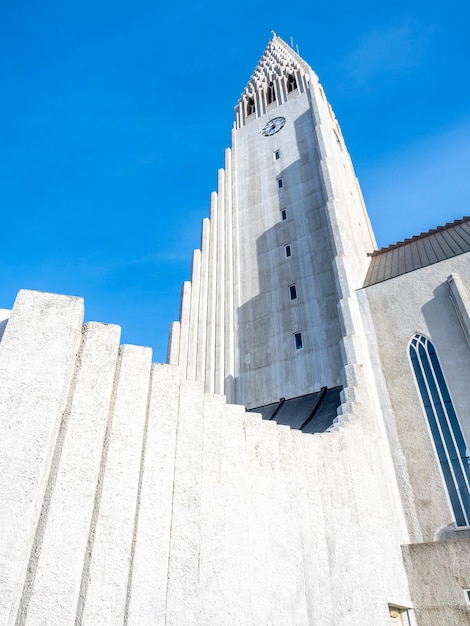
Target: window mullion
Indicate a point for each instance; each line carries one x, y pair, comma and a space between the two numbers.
449, 423
458, 492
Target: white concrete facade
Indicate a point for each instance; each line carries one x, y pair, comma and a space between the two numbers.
240, 289
432, 301
134, 493
154, 502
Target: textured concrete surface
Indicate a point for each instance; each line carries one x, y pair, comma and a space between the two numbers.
432, 301
132, 493
165, 505
37, 361
239, 297
418, 302
54, 590
439, 573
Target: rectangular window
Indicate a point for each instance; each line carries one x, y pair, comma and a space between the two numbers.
280, 183
288, 250
298, 341
399, 616
293, 292
277, 155
283, 214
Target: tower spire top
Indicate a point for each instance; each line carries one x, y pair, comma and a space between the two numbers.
279, 72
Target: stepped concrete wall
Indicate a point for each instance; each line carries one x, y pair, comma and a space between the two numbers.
132, 496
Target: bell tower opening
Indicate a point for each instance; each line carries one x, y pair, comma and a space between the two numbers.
271, 95
250, 106
291, 83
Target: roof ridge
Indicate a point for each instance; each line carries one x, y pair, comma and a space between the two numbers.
422, 235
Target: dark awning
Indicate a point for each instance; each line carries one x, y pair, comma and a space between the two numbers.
313, 413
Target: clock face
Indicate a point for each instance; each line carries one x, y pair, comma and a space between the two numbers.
273, 126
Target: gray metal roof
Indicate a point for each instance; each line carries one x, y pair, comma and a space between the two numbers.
313, 413
425, 249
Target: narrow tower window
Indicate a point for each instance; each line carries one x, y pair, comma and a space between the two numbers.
298, 341
449, 443
288, 250
280, 183
277, 155
399, 616
291, 83
250, 106
338, 141
283, 214
293, 292
271, 93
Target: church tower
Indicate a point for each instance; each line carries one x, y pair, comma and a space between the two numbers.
132, 492
269, 312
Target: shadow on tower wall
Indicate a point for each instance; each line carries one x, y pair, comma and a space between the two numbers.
270, 367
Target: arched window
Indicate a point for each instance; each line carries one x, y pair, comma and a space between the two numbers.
271, 93
250, 106
291, 83
451, 449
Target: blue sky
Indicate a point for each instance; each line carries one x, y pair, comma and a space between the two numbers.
114, 118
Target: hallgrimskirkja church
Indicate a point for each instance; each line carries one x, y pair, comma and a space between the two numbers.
301, 459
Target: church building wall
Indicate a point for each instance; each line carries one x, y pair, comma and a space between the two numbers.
419, 302
134, 493
437, 555
131, 495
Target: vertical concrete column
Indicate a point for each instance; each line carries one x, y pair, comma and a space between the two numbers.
184, 326
461, 302
229, 340
183, 565
214, 503
211, 298
148, 585
220, 282
344, 213
260, 103
173, 353
235, 392
53, 585
203, 297
111, 540
194, 315
293, 595
234, 476
311, 472
264, 519
37, 361
240, 115
345, 210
